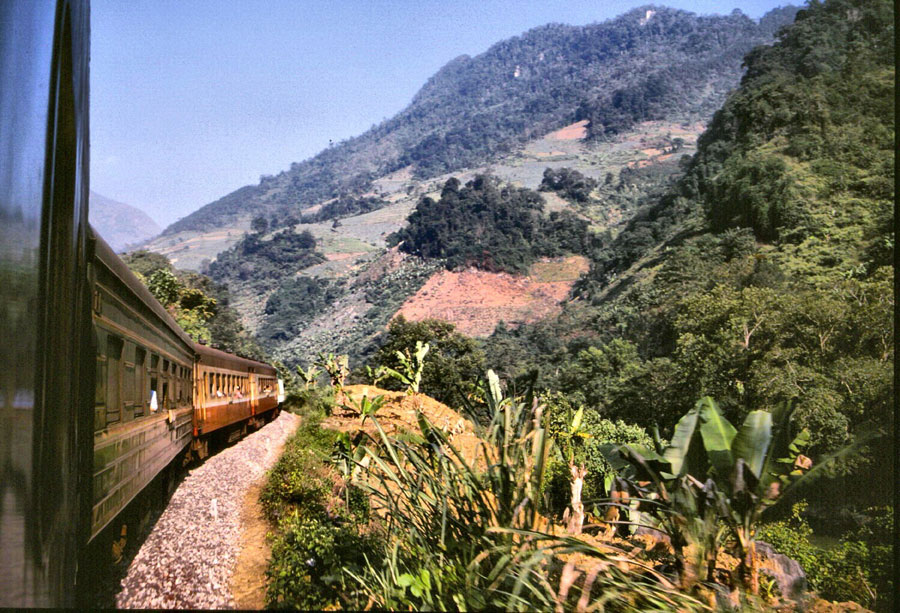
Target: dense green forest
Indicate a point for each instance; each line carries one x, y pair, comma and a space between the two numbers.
676, 64
258, 262
491, 226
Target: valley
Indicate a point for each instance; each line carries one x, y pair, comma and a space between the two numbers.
642, 256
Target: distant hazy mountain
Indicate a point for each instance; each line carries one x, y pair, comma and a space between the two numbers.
650, 63
121, 225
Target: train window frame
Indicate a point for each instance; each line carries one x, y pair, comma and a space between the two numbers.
114, 375
141, 401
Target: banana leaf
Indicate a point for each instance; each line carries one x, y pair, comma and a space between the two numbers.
753, 440
718, 435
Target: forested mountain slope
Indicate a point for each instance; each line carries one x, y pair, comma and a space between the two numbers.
766, 275
649, 63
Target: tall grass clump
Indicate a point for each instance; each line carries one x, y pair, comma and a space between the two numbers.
466, 533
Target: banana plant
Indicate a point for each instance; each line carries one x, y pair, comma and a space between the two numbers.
337, 368
664, 481
753, 468
713, 471
411, 367
366, 407
571, 445
309, 376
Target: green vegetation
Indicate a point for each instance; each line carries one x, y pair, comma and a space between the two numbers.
294, 304
345, 207
568, 183
199, 305
711, 291
255, 261
489, 225
471, 538
580, 441
758, 273
454, 360
859, 568
322, 524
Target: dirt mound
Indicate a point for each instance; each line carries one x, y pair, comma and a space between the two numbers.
398, 416
476, 301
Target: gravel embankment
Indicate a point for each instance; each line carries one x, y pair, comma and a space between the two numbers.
188, 559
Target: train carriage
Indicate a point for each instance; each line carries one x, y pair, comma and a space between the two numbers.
143, 386
100, 389
229, 389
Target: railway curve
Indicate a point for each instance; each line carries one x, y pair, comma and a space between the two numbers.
188, 559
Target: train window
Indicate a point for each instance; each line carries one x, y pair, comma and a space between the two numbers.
154, 394
140, 358
100, 391
113, 379
128, 384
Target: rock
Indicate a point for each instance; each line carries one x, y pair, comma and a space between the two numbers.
786, 571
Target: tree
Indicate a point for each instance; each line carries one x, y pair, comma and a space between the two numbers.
164, 286
260, 224
454, 360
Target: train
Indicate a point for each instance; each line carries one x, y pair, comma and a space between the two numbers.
101, 392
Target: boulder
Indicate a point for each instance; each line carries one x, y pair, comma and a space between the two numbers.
786, 571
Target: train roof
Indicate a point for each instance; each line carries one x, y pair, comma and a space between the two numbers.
206, 355
104, 253
223, 359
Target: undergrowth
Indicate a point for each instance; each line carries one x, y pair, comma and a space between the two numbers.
321, 524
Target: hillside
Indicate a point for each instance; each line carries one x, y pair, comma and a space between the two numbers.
650, 63
766, 274
343, 303
121, 225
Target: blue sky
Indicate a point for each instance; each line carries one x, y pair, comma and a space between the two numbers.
191, 99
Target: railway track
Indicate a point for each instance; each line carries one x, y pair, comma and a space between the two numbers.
188, 558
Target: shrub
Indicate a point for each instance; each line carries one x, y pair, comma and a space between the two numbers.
310, 559
857, 569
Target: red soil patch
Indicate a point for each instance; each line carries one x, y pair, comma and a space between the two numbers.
575, 131
476, 301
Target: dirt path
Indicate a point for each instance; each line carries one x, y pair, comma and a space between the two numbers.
248, 584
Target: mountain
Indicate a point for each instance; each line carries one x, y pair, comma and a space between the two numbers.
121, 225
764, 277
650, 63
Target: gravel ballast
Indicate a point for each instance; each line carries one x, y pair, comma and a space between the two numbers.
188, 559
